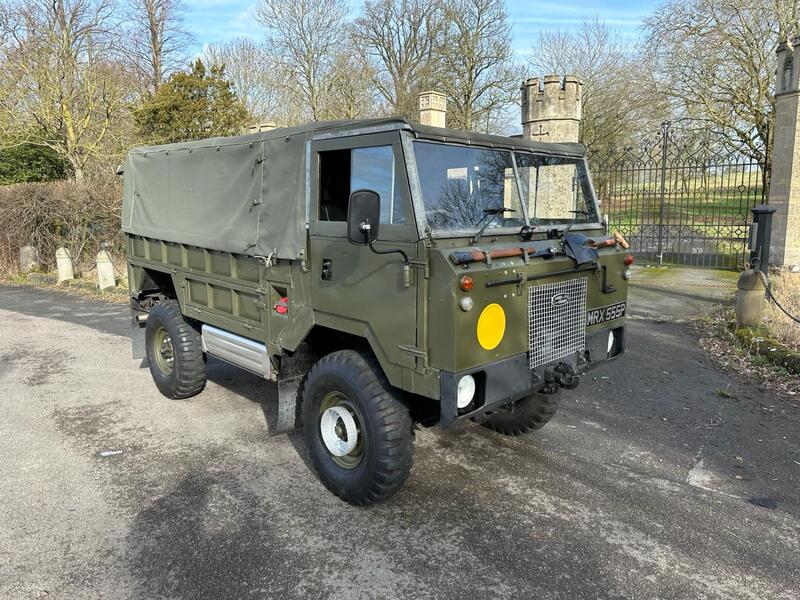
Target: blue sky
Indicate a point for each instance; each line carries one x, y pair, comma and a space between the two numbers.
214, 20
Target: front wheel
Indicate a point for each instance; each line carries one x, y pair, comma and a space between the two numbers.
522, 416
359, 436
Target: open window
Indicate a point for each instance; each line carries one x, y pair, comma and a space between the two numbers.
342, 172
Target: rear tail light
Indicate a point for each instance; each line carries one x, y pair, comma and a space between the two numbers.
282, 307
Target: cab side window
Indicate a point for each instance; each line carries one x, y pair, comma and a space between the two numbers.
342, 172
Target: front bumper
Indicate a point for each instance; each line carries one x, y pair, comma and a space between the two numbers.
505, 381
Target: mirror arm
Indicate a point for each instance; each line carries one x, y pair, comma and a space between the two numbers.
366, 228
390, 251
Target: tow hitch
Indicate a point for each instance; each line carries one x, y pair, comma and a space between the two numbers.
562, 375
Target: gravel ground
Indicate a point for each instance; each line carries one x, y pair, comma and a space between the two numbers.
660, 477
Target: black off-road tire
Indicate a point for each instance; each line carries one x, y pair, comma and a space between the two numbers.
524, 415
383, 459
187, 377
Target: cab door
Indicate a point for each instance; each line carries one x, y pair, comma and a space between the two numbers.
353, 288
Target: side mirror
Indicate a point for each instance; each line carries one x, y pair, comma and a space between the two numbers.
363, 217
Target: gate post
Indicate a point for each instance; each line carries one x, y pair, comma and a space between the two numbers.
665, 127
784, 193
760, 237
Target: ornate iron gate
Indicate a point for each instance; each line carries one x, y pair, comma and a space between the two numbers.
682, 200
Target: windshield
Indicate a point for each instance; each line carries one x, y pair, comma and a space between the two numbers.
556, 189
463, 186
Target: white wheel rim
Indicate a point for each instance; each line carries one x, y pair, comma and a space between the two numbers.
339, 431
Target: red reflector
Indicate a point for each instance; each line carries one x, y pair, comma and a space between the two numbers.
628, 260
282, 307
467, 283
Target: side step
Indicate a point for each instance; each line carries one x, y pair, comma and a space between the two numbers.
237, 350
283, 413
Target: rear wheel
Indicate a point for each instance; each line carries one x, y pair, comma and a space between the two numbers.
522, 416
359, 436
174, 352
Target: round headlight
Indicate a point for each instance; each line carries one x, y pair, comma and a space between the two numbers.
466, 391
610, 341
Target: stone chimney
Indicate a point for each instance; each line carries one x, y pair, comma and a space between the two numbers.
433, 109
551, 109
262, 126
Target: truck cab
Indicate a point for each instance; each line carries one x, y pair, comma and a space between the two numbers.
384, 275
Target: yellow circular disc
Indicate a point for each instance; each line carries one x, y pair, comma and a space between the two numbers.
491, 326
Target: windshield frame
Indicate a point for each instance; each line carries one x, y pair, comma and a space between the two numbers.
419, 203
424, 228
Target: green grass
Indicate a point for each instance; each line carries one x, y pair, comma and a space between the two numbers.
731, 208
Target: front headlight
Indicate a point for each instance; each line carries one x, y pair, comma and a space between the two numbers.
610, 341
465, 391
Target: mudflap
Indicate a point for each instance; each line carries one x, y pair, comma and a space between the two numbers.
283, 414
137, 334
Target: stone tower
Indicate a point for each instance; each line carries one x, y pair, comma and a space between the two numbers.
551, 109
784, 192
551, 112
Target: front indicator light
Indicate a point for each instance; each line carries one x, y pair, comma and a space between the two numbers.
628, 260
467, 283
465, 391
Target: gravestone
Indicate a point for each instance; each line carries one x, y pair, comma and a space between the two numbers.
28, 259
64, 265
105, 271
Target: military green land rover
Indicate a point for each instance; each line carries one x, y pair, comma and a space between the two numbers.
381, 275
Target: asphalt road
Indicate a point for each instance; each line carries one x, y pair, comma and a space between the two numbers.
659, 478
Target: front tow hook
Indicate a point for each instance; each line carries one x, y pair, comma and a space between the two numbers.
562, 375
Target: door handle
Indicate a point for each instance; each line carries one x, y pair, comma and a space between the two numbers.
327, 269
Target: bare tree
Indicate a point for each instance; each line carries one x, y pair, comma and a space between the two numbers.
618, 97
157, 43
401, 39
304, 36
253, 73
60, 86
351, 93
716, 60
477, 58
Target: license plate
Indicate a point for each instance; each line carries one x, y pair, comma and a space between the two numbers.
605, 314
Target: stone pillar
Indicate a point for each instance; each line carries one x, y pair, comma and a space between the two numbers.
784, 190
64, 265
551, 109
28, 259
433, 109
105, 271
551, 112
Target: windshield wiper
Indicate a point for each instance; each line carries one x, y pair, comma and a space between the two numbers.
491, 214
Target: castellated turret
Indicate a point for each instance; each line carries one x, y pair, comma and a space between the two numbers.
551, 109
